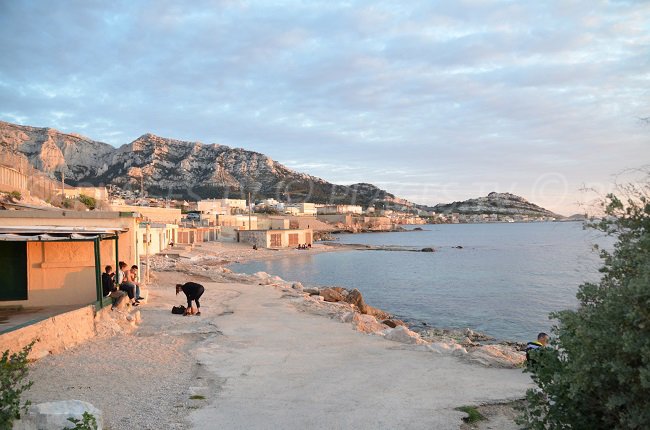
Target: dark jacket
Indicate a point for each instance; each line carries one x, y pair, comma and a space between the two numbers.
531, 346
107, 284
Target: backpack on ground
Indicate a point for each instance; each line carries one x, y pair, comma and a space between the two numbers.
178, 310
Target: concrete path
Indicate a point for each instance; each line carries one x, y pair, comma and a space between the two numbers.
277, 368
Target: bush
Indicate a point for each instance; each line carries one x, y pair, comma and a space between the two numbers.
597, 376
473, 415
16, 195
90, 202
13, 372
88, 422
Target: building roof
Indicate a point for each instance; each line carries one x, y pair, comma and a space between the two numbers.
56, 233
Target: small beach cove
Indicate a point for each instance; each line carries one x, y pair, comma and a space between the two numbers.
262, 356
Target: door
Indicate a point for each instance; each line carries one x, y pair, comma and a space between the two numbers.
13, 271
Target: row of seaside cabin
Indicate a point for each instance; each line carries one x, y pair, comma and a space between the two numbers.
51, 260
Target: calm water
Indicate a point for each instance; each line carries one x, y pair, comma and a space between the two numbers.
504, 281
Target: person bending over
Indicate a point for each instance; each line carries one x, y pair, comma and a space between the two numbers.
193, 292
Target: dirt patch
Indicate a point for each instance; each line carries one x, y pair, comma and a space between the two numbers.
499, 416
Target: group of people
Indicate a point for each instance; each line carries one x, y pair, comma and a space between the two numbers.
126, 284
305, 246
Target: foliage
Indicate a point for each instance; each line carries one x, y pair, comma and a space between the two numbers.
473, 415
268, 211
16, 195
88, 422
90, 202
597, 375
197, 397
13, 372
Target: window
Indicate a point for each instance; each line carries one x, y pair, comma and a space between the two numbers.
293, 239
276, 240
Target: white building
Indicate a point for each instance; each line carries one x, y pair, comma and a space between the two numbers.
304, 208
212, 206
339, 209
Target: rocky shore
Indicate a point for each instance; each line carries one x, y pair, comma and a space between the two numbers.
349, 307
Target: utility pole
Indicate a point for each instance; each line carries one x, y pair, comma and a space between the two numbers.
249, 210
147, 243
62, 185
142, 186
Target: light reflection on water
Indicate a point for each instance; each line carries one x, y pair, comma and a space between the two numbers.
504, 281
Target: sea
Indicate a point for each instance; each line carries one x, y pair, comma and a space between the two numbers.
501, 279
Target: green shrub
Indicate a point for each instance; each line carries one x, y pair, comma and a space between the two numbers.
13, 372
16, 195
473, 415
597, 375
88, 422
90, 202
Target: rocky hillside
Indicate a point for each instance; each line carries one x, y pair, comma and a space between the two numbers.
177, 168
496, 203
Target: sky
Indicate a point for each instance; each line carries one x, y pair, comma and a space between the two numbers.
434, 101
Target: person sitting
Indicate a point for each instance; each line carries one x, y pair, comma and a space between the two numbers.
541, 342
125, 285
193, 292
108, 286
107, 281
133, 278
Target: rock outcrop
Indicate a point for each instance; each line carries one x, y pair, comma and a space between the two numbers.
496, 203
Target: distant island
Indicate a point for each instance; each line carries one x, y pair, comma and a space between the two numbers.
495, 206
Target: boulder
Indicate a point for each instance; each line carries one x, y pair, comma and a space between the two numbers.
392, 323
297, 286
367, 323
354, 297
403, 335
54, 415
497, 356
311, 291
427, 250
331, 295
447, 348
340, 290
377, 313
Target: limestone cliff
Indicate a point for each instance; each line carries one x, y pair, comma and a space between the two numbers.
170, 167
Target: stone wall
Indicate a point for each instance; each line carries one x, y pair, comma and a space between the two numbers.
55, 334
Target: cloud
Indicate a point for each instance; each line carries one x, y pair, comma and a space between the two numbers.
421, 96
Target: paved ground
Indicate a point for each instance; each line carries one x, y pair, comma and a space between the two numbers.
273, 367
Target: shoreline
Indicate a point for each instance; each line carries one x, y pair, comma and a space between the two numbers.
474, 346
465, 336
191, 372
